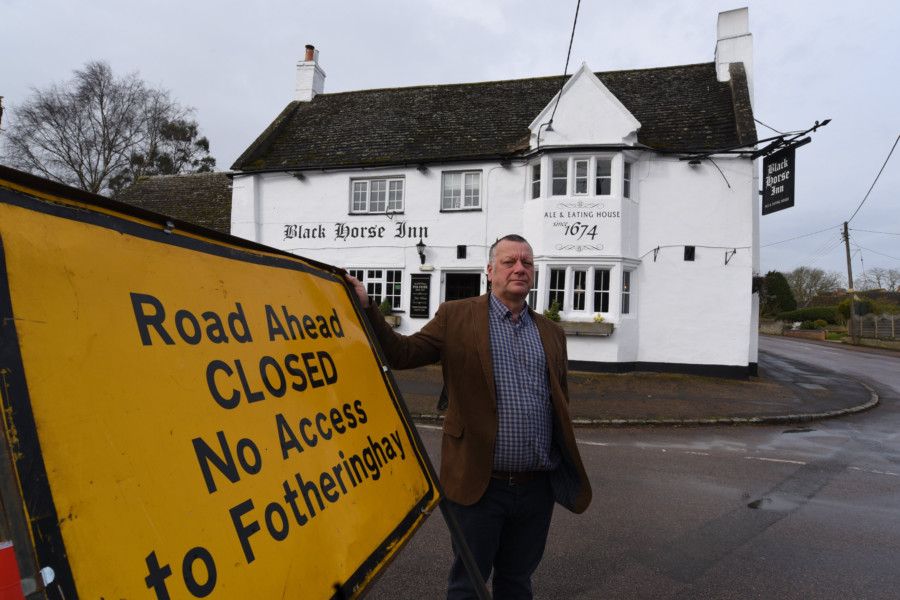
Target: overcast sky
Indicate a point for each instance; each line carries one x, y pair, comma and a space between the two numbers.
234, 62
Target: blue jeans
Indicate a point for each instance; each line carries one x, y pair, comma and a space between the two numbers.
506, 531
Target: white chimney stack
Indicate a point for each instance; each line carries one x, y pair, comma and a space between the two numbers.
734, 43
310, 76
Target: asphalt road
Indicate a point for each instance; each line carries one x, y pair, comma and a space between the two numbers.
719, 512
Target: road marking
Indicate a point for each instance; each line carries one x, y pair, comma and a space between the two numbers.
422, 426
776, 460
874, 472
587, 443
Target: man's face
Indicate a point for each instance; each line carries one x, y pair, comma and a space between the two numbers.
511, 273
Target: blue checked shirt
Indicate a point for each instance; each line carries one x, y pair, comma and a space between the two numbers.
524, 414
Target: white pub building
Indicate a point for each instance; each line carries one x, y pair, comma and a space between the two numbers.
635, 188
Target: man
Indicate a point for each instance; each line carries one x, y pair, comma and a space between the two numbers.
508, 448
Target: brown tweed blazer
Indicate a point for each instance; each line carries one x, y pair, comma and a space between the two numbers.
458, 337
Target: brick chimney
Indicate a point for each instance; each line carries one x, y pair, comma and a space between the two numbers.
310, 76
734, 43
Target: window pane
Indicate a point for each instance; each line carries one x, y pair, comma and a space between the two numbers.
452, 191
626, 292
578, 289
377, 195
604, 177
581, 176
392, 287
601, 290
360, 189
395, 194
560, 176
604, 167
557, 287
473, 185
626, 184
536, 180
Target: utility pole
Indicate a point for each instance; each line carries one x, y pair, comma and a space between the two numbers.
853, 332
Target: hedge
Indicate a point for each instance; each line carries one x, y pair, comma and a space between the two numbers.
825, 313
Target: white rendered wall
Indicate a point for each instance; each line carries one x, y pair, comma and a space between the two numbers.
696, 312
681, 312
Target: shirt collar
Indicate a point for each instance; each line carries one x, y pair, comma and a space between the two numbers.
502, 311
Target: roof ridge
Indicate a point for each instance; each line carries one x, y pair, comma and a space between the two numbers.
495, 81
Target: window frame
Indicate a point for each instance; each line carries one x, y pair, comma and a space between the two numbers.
626, 179
557, 294
534, 293
386, 285
601, 292
366, 186
464, 177
627, 290
607, 177
585, 179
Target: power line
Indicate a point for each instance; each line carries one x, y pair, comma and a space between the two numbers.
775, 130
876, 178
822, 251
768, 126
566, 69
798, 237
881, 232
874, 252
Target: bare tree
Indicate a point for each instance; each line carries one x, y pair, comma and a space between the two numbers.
878, 278
807, 283
95, 131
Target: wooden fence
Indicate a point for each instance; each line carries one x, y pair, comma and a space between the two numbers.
879, 327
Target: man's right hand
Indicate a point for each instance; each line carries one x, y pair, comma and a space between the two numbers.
360, 290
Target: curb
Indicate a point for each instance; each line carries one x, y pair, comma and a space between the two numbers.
761, 420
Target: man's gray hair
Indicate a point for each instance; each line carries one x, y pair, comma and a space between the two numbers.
511, 237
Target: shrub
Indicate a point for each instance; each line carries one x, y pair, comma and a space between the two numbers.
552, 313
863, 307
826, 313
808, 325
820, 323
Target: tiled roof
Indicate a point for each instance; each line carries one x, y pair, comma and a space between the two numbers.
682, 108
200, 198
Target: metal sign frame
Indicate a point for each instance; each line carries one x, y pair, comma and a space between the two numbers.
32, 519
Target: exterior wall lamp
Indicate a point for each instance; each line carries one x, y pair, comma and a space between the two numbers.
420, 248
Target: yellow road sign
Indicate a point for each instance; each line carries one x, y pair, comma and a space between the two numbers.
191, 416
